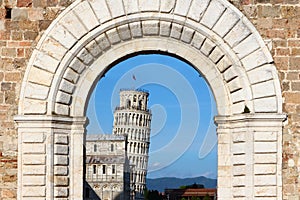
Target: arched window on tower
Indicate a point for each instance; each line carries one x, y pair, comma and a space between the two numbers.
140, 104
128, 103
111, 147
95, 147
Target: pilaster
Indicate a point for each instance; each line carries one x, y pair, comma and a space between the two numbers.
46, 160
250, 156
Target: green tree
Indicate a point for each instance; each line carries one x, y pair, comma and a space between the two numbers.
207, 197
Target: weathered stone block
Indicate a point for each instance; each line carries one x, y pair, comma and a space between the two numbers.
209, 20
19, 14
61, 170
33, 137
39, 191
85, 56
113, 36
34, 170
61, 150
34, 180
198, 40
176, 31
167, 6
124, 32
33, 148
265, 180
87, 16
265, 169
61, 181
226, 23
34, 159
182, 7
150, 27
63, 36
61, 139
61, 192
187, 35
101, 10
71, 75
61, 160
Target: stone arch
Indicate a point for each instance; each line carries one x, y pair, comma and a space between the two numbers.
90, 35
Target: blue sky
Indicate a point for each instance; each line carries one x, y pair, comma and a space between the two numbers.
183, 135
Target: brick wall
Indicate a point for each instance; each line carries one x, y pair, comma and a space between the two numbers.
22, 23
279, 21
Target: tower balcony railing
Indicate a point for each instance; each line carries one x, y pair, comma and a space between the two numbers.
103, 178
138, 90
131, 108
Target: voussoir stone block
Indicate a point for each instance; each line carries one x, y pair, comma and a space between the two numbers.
54, 48
113, 36
67, 86
63, 36
77, 65
146, 5
43, 78
94, 48
46, 62
131, 6
32, 106
237, 34
116, 8
176, 31
124, 32
255, 59
86, 15
71, 75
267, 104
197, 40
197, 9
136, 29
263, 89
182, 7
36, 91
165, 28
187, 35
150, 27
85, 56
247, 46
63, 98
167, 6
226, 22
101, 10
208, 19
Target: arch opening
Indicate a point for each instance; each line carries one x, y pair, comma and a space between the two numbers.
170, 85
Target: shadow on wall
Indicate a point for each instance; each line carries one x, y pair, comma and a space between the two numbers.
91, 194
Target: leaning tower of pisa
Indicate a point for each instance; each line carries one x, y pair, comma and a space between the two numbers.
133, 119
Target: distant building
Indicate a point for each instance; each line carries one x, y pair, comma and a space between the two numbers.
116, 165
188, 194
